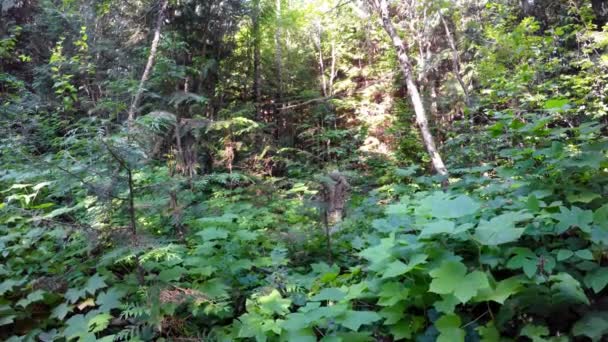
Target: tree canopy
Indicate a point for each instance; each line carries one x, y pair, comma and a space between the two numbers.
303, 170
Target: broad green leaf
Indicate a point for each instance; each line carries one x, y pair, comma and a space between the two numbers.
584, 254
391, 293
503, 290
355, 319
564, 254
593, 325
535, 332
273, 303
9, 284
213, 233
449, 329
99, 322
442, 206
557, 104
437, 227
32, 297
500, 229
451, 278
110, 299
566, 289
597, 279
95, 283
76, 326
171, 274
7, 319
333, 293
573, 218
73, 295
61, 311
394, 269
489, 333
393, 314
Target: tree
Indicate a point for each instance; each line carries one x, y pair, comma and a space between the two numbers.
153, 50
381, 7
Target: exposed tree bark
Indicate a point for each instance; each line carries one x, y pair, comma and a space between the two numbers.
279, 51
332, 74
318, 43
147, 70
257, 77
406, 68
455, 60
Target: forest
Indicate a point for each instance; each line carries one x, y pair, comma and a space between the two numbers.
304, 170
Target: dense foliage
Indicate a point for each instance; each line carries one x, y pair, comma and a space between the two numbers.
164, 168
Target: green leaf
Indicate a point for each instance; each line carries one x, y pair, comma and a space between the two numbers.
489, 333
535, 332
557, 104
61, 311
9, 284
503, 290
76, 326
597, 279
33, 297
333, 293
7, 319
573, 218
95, 283
397, 268
449, 329
437, 227
564, 254
171, 274
391, 293
73, 295
273, 303
355, 319
441, 205
593, 325
584, 254
213, 233
99, 322
110, 299
451, 278
394, 269
566, 289
500, 229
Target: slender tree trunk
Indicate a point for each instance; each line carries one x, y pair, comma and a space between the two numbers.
257, 78
147, 70
279, 50
332, 73
318, 43
455, 60
406, 68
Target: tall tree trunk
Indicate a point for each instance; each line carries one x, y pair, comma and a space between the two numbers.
279, 50
332, 74
153, 49
455, 60
257, 78
406, 68
317, 41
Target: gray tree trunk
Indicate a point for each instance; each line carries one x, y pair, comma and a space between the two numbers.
406, 68
455, 60
150, 63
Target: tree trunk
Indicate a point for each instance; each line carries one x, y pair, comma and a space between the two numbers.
332, 74
319, 45
279, 51
406, 68
455, 60
257, 78
150, 63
